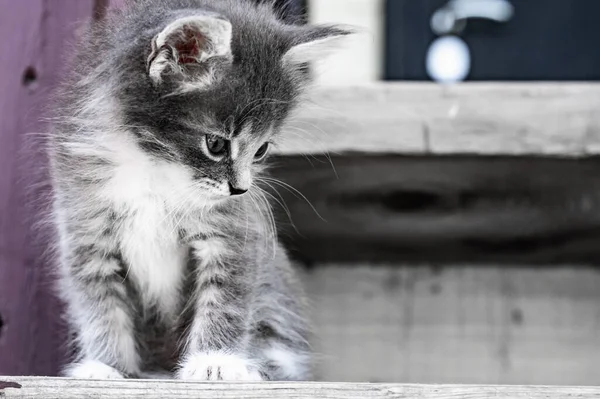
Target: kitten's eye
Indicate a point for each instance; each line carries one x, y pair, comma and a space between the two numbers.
261, 151
215, 145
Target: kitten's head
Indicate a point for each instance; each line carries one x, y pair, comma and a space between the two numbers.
210, 88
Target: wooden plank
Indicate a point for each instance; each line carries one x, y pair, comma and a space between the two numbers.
359, 59
36, 34
66, 389
463, 324
440, 209
426, 118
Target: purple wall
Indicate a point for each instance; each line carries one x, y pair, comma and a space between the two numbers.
34, 34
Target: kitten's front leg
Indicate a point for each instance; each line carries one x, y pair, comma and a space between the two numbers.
218, 314
101, 313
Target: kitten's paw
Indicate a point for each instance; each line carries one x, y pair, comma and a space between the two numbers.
217, 367
93, 370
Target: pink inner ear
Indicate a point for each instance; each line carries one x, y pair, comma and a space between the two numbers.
189, 45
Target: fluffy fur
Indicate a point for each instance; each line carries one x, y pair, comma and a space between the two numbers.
162, 268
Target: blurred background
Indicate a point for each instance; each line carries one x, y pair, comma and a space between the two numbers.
451, 233
478, 40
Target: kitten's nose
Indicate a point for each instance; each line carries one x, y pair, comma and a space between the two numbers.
236, 191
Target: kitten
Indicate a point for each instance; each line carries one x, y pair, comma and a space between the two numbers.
168, 258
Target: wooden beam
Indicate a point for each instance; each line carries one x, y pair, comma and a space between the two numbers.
460, 324
49, 388
426, 118
440, 208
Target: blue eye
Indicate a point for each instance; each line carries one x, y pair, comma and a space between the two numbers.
261, 151
215, 145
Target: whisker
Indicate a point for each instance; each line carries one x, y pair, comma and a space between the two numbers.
280, 201
271, 220
290, 188
324, 152
258, 208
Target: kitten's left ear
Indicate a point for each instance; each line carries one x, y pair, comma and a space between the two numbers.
188, 47
319, 43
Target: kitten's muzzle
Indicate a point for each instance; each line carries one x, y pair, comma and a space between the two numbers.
236, 191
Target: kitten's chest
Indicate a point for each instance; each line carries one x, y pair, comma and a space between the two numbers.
146, 197
155, 257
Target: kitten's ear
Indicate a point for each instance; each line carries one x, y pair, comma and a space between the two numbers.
188, 47
319, 43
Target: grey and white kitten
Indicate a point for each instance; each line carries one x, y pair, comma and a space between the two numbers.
165, 122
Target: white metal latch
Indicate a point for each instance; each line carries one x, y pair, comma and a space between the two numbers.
452, 17
448, 57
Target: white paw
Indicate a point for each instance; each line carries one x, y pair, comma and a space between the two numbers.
217, 367
92, 370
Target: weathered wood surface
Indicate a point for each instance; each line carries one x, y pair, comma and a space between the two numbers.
35, 35
479, 118
441, 209
460, 324
513, 119
26, 388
